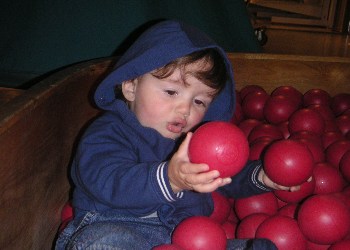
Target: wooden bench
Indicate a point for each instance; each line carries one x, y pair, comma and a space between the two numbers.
40, 126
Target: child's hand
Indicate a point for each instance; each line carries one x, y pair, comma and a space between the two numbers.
184, 175
269, 183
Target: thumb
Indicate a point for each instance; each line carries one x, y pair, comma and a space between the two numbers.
183, 149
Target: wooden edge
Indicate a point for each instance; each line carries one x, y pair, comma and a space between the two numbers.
11, 111
263, 56
7, 94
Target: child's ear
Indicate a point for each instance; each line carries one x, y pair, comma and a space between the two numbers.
128, 89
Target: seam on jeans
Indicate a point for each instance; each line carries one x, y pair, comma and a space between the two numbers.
86, 220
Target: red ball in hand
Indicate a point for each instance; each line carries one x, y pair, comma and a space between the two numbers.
288, 162
221, 145
199, 232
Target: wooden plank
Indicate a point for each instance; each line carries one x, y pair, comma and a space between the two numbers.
303, 72
294, 7
299, 21
7, 94
38, 131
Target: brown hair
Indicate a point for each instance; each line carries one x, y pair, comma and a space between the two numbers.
213, 73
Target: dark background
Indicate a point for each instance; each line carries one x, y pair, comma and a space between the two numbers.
40, 36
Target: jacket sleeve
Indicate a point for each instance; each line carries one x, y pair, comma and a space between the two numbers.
110, 173
246, 182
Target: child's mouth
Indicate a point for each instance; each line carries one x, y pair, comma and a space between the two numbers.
176, 127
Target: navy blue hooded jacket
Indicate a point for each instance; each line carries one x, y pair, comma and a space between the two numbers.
121, 166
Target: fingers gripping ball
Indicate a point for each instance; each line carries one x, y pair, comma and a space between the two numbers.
288, 162
221, 145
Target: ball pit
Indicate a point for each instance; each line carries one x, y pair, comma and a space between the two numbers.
296, 217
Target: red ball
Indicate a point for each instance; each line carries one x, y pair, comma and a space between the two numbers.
343, 123
315, 148
306, 189
329, 137
247, 227
340, 103
303, 134
283, 231
316, 96
258, 146
330, 125
314, 246
248, 89
222, 208
340, 245
232, 216
283, 126
230, 229
288, 162
248, 124
262, 203
199, 232
346, 197
290, 92
253, 104
327, 179
238, 114
306, 119
279, 108
344, 166
336, 150
324, 219
221, 145
67, 212
289, 210
325, 111
265, 129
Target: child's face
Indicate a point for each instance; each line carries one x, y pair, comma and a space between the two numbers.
169, 105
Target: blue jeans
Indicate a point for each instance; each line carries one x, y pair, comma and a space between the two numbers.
105, 231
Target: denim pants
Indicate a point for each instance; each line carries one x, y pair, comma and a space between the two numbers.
103, 231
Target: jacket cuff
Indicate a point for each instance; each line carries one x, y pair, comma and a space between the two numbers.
255, 178
164, 183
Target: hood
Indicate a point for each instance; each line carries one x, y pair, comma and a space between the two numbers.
159, 45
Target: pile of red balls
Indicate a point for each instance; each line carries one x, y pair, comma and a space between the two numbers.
296, 135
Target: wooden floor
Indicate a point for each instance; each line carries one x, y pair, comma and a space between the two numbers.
307, 43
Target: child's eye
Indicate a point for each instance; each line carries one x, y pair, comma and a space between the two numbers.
171, 92
200, 103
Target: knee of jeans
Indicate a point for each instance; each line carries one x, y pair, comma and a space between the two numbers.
108, 234
262, 244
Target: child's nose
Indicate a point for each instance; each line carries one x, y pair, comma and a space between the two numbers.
184, 108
